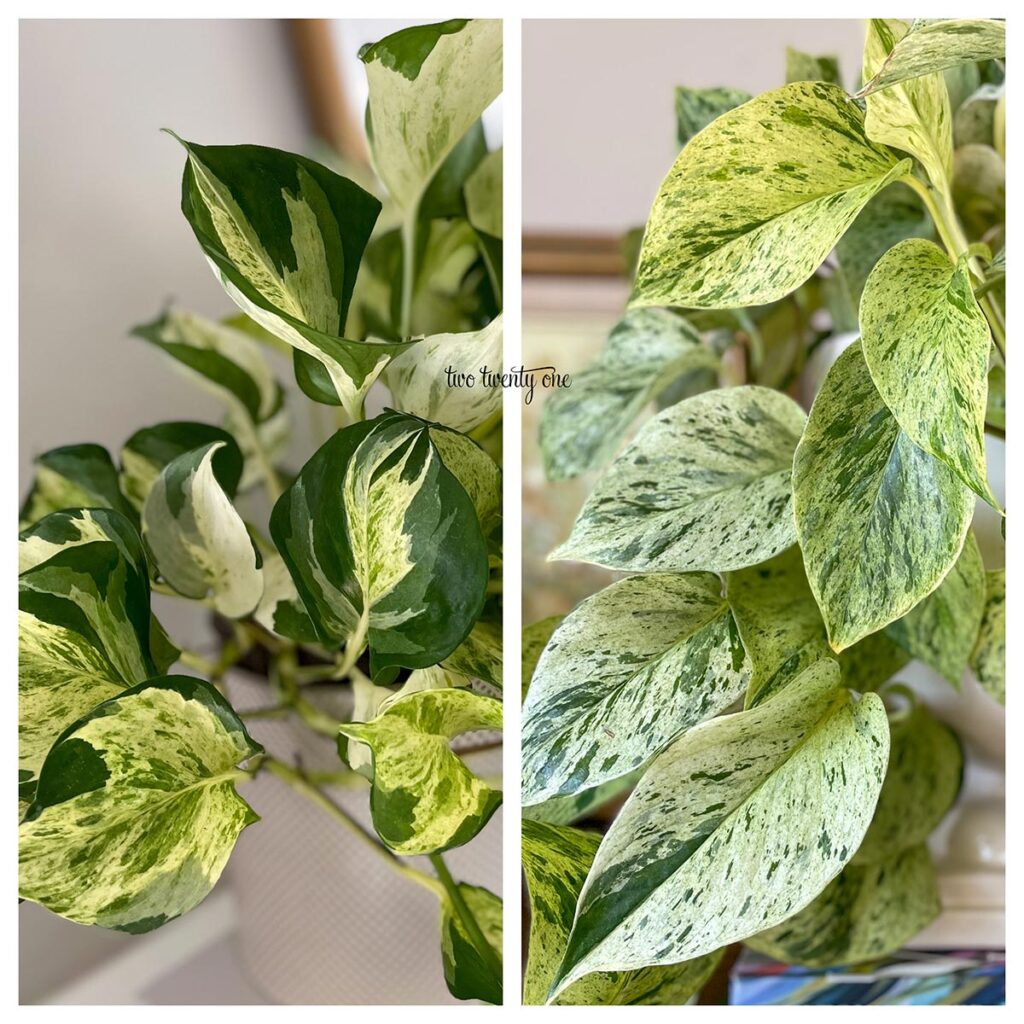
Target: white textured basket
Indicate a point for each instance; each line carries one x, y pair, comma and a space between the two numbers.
323, 919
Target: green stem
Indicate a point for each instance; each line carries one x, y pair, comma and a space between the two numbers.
469, 922
198, 663
271, 480
408, 273
294, 778
354, 648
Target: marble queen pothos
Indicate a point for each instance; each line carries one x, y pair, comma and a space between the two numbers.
379, 569
738, 689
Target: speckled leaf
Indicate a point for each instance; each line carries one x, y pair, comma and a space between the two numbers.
927, 343
802, 67
136, 811
428, 85
555, 862
146, 453
424, 798
770, 803
567, 810
755, 203
705, 485
383, 540
921, 783
465, 973
933, 44
624, 674
583, 425
913, 115
285, 237
995, 409
419, 378
697, 108
479, 655
535, 639
867, 913
989, 658
941, 630
484, 195
478, 473
880, 521
76, 476
199, 542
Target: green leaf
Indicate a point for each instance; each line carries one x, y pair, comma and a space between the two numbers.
705, 485
280, 609
934, 44
995, 408
465, 972
697, 108
428, 85
383, 540
989, 658
475, 470
979, 189
802, 67
420, 384
567, 810
535, 639
200, 544
941, 630
926, 343
756, 202
424, 798
582, 426
479, 655
625, 673
767, 805
867, 913
921, 783
555, 862
285, 236
148, 451
880, 521
136, 812
484, 195
914, 115
974, 121
76, 476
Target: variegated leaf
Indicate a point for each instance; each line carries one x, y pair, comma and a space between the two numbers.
465, 972
199, 542
995, 409
867, 913
383, 540
556, 861
285, 237
880, 521
769, 804
926, 343
975, 120
979, 189
479, 656
934, 44
567, 810
475, 470
280, 609
419, 378
148, 451
76, 476
624, 674
428, 85
989, 658
802, 67
697, 108
535, 639
424, 798
705, 485
647, 350
484, 195
941, 630
913, 115
755, 203
922, 781
136, 812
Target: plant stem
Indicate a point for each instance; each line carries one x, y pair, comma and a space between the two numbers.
408, 273
469, 922
271, 480
294, 778
197, 663
354, 647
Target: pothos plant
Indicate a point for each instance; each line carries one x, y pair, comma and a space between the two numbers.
378, 570
783, 566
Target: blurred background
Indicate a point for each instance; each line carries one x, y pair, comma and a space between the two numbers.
599, 135
104, 247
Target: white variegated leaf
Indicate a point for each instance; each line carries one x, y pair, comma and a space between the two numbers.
989, 657
465, 972
484, 194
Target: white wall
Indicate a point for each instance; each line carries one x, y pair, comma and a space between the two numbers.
598, 104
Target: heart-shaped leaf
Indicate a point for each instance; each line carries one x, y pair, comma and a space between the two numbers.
465, 972
803, 67
424, 798
769, 804
136, 812
989, 658
757, 200
880, 521
697, 108
624, 674
706, 484
556, 861
647, 350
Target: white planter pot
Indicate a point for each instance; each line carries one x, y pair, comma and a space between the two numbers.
322, 918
